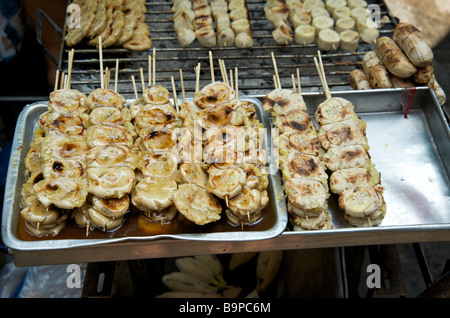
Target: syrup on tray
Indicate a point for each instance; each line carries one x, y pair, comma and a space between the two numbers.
136, 224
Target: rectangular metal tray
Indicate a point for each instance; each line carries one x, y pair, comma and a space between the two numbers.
26, 125
412, 154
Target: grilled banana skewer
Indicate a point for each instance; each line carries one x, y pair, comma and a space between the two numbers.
300, 157
55, 164
111, 161
354, 178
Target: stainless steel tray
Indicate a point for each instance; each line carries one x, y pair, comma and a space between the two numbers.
412, 154
26, 125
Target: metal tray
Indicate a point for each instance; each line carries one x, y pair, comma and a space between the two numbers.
26, 125
412, 154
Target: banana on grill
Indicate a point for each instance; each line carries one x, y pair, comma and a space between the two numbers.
345, 23
349, 40
328, 40
305, 34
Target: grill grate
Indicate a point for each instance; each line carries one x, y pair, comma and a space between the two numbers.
254, 64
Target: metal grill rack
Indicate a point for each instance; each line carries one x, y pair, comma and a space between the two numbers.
254, 64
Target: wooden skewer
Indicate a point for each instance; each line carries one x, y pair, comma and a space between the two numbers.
276, 70
293, 83
236, 91
65, 81
154, 66
298, 82
71, 53
320, 76
368, 220
197, 80
56, 80
211, 65
231, 79
174, 94
61, 85
182, 86
275, 84
149, 70
106, 77
142, 80
326, 90
223, 70
100, 52
134, 86
116, 77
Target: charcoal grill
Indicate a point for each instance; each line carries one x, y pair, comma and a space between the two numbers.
254, 64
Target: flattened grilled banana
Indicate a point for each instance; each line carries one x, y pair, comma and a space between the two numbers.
68, 101
109, 116
333, 110
156, 140
111, 182
112, 207
297, 165
112, 156
156, 116
156, 95
97, 219
345, 157
102, 135
347, 132
54, 147
197, 204
294, 120
344, 179
153, 193
362, 201
61, 124
304, 143
213, 94
226, 182
306, 194
65, 193
65, 168
101, 97
157, 164
193, 173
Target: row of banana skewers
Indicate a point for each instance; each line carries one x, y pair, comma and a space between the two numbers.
354, 177
202, 276
222, 23
332, 24
300, 153
144, 154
